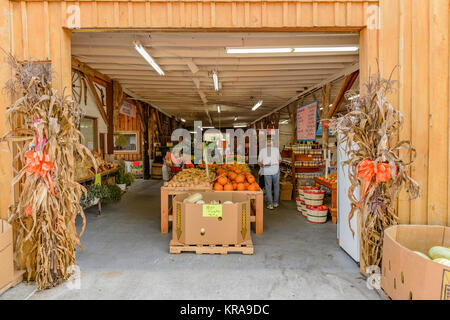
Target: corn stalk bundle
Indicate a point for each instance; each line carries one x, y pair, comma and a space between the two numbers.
369, 130
45, 123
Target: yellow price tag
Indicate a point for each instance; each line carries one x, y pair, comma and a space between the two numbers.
98, 179
212, 210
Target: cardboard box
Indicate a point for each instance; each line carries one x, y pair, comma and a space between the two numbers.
6, 254
190, 226
406, 275
286, 191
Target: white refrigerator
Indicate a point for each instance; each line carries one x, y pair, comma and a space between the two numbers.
347, 241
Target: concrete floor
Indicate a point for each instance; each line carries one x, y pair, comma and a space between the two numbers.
126, 257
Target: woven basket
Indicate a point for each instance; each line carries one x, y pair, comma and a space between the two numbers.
317, 216
314, 194
301, 191
310, 202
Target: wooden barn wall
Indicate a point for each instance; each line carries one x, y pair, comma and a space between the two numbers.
129, 124
413, 35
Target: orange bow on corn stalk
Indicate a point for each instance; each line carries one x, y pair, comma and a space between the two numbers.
40, 164
366, 171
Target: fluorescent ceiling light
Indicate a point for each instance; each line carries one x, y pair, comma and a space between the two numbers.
257, 105
326, 49
183, 120
258, 50
218, 109
240, 126
207, 127
235, 118
284, 122
216, 81
139, 48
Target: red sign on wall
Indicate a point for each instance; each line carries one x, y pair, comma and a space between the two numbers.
306, 121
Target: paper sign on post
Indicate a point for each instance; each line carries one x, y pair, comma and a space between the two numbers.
212, 210
98, 179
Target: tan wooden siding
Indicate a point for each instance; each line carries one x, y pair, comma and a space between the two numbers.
413, 34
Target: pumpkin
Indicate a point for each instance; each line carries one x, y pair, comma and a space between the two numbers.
235, 185
246, 185
238, 170
252, 187
222, 180
241, 187
250, 178
228, 187
232, 176
218, 187
220, 172
240, 178
257, 186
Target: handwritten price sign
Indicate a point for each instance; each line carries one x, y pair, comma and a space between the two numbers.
212, 210
306, 121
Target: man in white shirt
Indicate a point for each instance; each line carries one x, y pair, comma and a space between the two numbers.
269, 161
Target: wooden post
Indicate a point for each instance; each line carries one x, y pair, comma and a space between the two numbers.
110, 116
6, 169
326, 106
145, 153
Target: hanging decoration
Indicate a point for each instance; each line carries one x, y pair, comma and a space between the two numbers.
372, 125
44, 140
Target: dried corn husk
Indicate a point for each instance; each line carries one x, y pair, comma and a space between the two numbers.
45, 236
372, 124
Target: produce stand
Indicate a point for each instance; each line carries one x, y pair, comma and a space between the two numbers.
166, 211
104, 175
333, 187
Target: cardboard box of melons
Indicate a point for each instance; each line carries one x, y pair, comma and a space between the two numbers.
215, 218
414, 266
6, 254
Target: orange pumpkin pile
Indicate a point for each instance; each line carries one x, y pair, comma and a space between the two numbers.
235, 179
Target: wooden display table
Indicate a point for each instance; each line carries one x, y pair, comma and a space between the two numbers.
333, 188
104, 175
256, 198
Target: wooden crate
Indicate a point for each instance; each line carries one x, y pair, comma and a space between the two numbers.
244, 248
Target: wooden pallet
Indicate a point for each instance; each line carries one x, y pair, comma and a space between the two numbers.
18, 278
244, 248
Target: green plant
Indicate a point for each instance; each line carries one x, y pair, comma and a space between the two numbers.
104, 192
112, 193
124, 178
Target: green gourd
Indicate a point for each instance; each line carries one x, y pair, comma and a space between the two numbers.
439, 252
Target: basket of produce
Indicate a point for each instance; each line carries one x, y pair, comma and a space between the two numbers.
313, 197
189, 178
303, 209
317, 214
235, 179
301, 191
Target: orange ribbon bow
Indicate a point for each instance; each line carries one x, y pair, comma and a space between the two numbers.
41, 165
366, 171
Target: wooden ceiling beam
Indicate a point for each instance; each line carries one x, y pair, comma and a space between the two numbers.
347, 85
111, 67
97, 99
